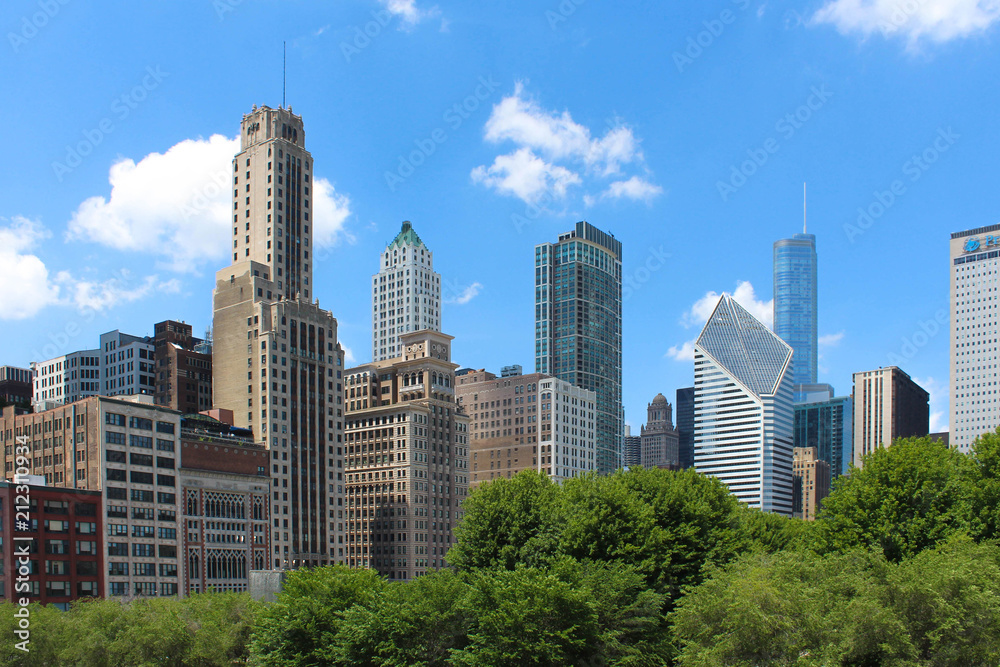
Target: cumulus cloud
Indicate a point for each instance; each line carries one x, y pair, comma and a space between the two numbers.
102, 295
408, 12
940, 396
914, 20
177, 205
28, 287
702, 309
349, 359
635, 188
466, 295
553, 152
831, 340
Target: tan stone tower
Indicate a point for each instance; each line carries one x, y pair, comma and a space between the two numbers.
266, 327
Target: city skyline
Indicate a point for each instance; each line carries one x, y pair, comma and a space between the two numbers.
643, 160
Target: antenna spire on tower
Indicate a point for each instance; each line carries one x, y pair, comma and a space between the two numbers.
804, 219
284, 61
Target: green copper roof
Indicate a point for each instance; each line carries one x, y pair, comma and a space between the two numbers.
406, 236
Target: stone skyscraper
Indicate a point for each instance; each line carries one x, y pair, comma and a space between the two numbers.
406, 293
578, 325
795, 302
659, 438
743, 413
267, 326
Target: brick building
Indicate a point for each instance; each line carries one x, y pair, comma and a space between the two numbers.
183, 368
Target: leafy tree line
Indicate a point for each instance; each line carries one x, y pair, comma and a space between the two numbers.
645, 567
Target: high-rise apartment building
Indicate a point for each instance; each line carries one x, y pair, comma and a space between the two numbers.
276, 360
527, 422
743, 412
887, 405
578, 325
631, 448
827, 425
121, 366
406, 293
975, 320
795, 302
659, 439
126, 449
811, 479
685, 427
183, 368
407, 462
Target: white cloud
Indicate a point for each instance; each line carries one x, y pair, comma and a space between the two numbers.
702, 309
409, 13
552, 151
100, 296
25, 277
940, 395
467, 295
349, 359
177, 205
915, 20
634, 188
525, 175
831, 340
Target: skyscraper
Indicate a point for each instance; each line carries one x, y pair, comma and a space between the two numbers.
795, 302
659, 438
631, 448
267, 328
578, 325
743, 408
975, 321
828, 426
685, 426
406, 293
887, 405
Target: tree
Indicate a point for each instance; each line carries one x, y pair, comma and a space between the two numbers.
906, 498
301, 627
984, 482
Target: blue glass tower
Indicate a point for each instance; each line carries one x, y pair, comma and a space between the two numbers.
795, 302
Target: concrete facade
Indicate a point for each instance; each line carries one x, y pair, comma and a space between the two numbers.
887, 405
659, 438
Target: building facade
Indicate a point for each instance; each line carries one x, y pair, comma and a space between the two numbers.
183, 368
407, 461
578, 325
16, 385
225, 487
406, 293
795, 302
659, 440
887, 405
60, 545
811, 476
123, 365
276, 361
527, 422
631, 448
127, 450
827, 425
743, 414
974, 270
685, 427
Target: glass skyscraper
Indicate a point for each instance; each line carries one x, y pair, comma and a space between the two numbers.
828, 426
578, 326
795, 302
743, 413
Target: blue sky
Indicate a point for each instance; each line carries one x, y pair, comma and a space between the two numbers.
495, 126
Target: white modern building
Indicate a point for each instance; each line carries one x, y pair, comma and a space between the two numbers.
121, 366
406, 293
743, 413
975, 281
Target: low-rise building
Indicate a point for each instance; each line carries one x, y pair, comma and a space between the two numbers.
810, 482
